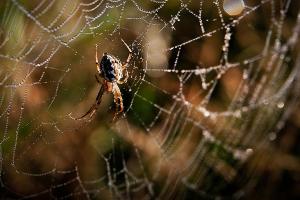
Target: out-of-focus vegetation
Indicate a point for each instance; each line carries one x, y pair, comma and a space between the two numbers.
184, 134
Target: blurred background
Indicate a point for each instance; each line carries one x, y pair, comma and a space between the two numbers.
210, 106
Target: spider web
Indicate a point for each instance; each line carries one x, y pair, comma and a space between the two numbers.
207, 91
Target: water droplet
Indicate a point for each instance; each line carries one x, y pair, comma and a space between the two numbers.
280, 105
233, 7
245, 75
206, 113
244, 109
266, 102
249, 151
238, 114
272, 136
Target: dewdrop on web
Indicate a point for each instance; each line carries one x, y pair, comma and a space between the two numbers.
233, 7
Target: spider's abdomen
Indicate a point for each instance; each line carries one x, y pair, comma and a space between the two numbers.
107, 68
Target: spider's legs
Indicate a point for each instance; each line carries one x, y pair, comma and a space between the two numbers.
125, 65
118, 100
125, 75
95, 106
129, 55
97, 61
97, 78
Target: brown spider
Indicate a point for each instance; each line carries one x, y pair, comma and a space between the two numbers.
113, 72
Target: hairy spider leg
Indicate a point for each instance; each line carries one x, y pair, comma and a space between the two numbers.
95, 106
97, 76
125, 65
117, 99
97, 61
129, 56
124, 80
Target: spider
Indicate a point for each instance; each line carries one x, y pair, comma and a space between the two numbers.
112, 72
